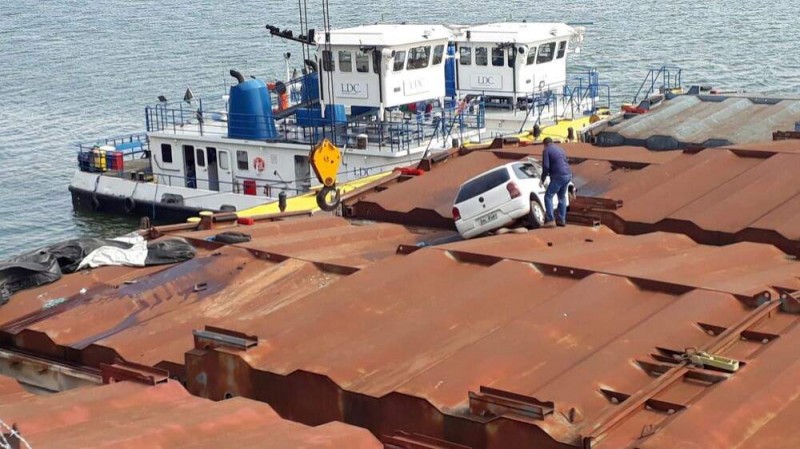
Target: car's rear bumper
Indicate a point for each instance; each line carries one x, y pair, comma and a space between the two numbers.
506, 214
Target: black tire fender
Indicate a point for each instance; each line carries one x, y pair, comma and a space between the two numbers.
232, 237
322, 199
129, 205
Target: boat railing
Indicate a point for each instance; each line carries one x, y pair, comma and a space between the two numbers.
400, 131
669, 77
580, 95
115, 155
266, 188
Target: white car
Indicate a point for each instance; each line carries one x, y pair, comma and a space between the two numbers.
502, 196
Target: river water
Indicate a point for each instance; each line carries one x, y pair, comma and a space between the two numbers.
73, 70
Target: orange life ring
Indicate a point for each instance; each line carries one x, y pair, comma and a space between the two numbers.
259, 164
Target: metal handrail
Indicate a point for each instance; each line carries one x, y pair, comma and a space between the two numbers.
396, 135
236, 186
114, 141
665, 72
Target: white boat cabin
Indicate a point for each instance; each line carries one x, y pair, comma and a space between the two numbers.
513, 61
383, 66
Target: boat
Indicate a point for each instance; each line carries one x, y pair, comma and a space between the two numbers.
387, 95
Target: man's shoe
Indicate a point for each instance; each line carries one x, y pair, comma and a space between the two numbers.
560, 224
549, 224
502, 231
519, 230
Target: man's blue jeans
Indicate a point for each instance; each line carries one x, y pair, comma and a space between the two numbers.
558, 185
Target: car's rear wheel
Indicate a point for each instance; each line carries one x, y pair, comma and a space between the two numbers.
536, 215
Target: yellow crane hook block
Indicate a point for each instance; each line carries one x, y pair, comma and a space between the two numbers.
325, 159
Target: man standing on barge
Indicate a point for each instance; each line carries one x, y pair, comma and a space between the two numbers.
556, 166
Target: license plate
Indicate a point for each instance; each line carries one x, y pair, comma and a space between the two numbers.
487, 218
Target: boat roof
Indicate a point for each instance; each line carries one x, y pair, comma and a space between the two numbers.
387, 35
515, 32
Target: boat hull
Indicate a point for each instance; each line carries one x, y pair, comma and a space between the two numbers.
88, 201
97, 192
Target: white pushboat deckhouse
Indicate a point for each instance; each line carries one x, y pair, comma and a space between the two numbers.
513, 61
383, 65
385, 94
522, 66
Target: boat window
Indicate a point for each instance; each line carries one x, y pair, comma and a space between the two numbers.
345, 61
531, 56
166, 153
399, 60
242, 163
498, 57
512, 56
481, 56
200, 158
546, 52
562, 49
465, 55
362, 61
419, 57
224, 160
327, 61
438, 54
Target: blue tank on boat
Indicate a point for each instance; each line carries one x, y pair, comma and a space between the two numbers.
250, 111
310, 87
450, 71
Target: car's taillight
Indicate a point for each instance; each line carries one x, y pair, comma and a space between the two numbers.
513, 190
456, 214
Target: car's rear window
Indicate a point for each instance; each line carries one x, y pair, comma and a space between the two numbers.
482, 184
527, 171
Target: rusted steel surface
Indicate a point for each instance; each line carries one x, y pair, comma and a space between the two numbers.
40, 373
758, 411
151, 320
777, 146
716, 196
9, 386
326, 239
552, 339
743, 269
69, 287
130, 415
629, 156
187, 295
553, 330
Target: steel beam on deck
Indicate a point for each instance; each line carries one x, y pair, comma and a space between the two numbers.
45, 375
